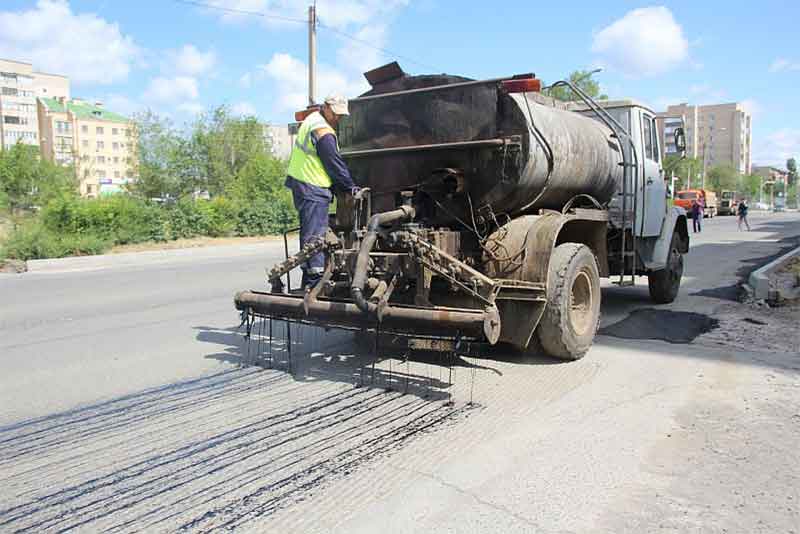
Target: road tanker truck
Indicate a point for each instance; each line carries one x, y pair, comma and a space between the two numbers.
490, 213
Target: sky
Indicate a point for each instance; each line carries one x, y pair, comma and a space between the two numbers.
180, 57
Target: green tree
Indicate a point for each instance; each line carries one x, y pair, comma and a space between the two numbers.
225, 145
750, 185
158, 166
27, 180
722, 178
682, 168
581, 78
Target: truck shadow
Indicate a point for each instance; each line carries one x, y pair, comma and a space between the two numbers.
350, 357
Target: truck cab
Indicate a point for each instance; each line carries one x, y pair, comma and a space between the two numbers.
655, 219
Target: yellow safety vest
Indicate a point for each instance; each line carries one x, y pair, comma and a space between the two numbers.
304, 163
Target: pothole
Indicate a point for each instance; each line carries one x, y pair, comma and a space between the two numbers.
666, 325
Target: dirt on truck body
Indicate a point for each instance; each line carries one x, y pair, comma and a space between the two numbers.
490, 215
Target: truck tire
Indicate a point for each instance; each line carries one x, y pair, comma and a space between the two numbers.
572, 314
665, 283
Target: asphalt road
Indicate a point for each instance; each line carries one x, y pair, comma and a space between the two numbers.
124, 406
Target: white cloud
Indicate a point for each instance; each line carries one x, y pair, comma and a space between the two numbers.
366, 20
777, 147
355, 56
701, 94
246, 80
178, 85
121, 104
84, 46
245, 109
645, 42
784, 65
752, 106
290, 75
191, 108
189, 61
171, 90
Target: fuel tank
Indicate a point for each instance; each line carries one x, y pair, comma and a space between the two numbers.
472, 144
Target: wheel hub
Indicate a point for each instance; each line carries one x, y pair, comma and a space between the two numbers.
581, 303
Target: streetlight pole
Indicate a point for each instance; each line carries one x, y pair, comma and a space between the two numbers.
587, 75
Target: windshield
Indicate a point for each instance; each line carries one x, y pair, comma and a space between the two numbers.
687, 195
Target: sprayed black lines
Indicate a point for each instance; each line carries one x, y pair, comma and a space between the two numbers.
168, 457
195, 472
189, 418
141, 400
360, 429
250, 506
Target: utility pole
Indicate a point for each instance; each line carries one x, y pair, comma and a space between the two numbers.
312, 53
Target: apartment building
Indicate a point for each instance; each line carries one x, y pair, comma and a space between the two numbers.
280, 140
20, 86
667, 124
100, 144
771, 174
716, 134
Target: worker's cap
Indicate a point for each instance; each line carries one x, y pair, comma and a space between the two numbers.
338, 104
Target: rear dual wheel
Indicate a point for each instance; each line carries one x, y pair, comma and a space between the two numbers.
572, 315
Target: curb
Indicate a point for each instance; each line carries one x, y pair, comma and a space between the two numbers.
148, 257
759, 279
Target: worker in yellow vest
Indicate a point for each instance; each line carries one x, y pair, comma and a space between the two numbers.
315, 170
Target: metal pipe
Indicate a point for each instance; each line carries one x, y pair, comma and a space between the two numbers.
433, 321
404, 213
479, 143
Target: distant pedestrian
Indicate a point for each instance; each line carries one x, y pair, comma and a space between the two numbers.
697, 216
742, 211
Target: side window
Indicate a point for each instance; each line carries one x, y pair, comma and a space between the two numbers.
647, 134
656, 151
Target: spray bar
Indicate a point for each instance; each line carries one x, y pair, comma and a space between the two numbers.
437, 321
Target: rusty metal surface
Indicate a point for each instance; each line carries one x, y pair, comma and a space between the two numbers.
574, 154
431, 321
524, 246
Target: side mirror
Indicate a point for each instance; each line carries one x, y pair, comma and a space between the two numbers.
680, 141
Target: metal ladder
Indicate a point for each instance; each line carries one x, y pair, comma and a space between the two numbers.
629, 182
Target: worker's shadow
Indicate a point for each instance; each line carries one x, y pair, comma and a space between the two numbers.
351, 357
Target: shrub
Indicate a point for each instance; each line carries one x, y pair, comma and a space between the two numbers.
119, 219
34, 241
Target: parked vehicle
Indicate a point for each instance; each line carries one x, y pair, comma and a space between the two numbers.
685, 198
493, 212
727, 203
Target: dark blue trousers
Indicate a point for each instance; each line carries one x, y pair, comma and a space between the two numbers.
313, 215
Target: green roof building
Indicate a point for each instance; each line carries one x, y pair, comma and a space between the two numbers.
98, 142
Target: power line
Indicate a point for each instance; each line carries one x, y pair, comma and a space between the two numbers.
378, 48
240, 11
331, 29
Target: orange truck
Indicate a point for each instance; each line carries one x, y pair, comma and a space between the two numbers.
685, 198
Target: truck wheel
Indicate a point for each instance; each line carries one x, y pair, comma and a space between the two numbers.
572, 314
665, 283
